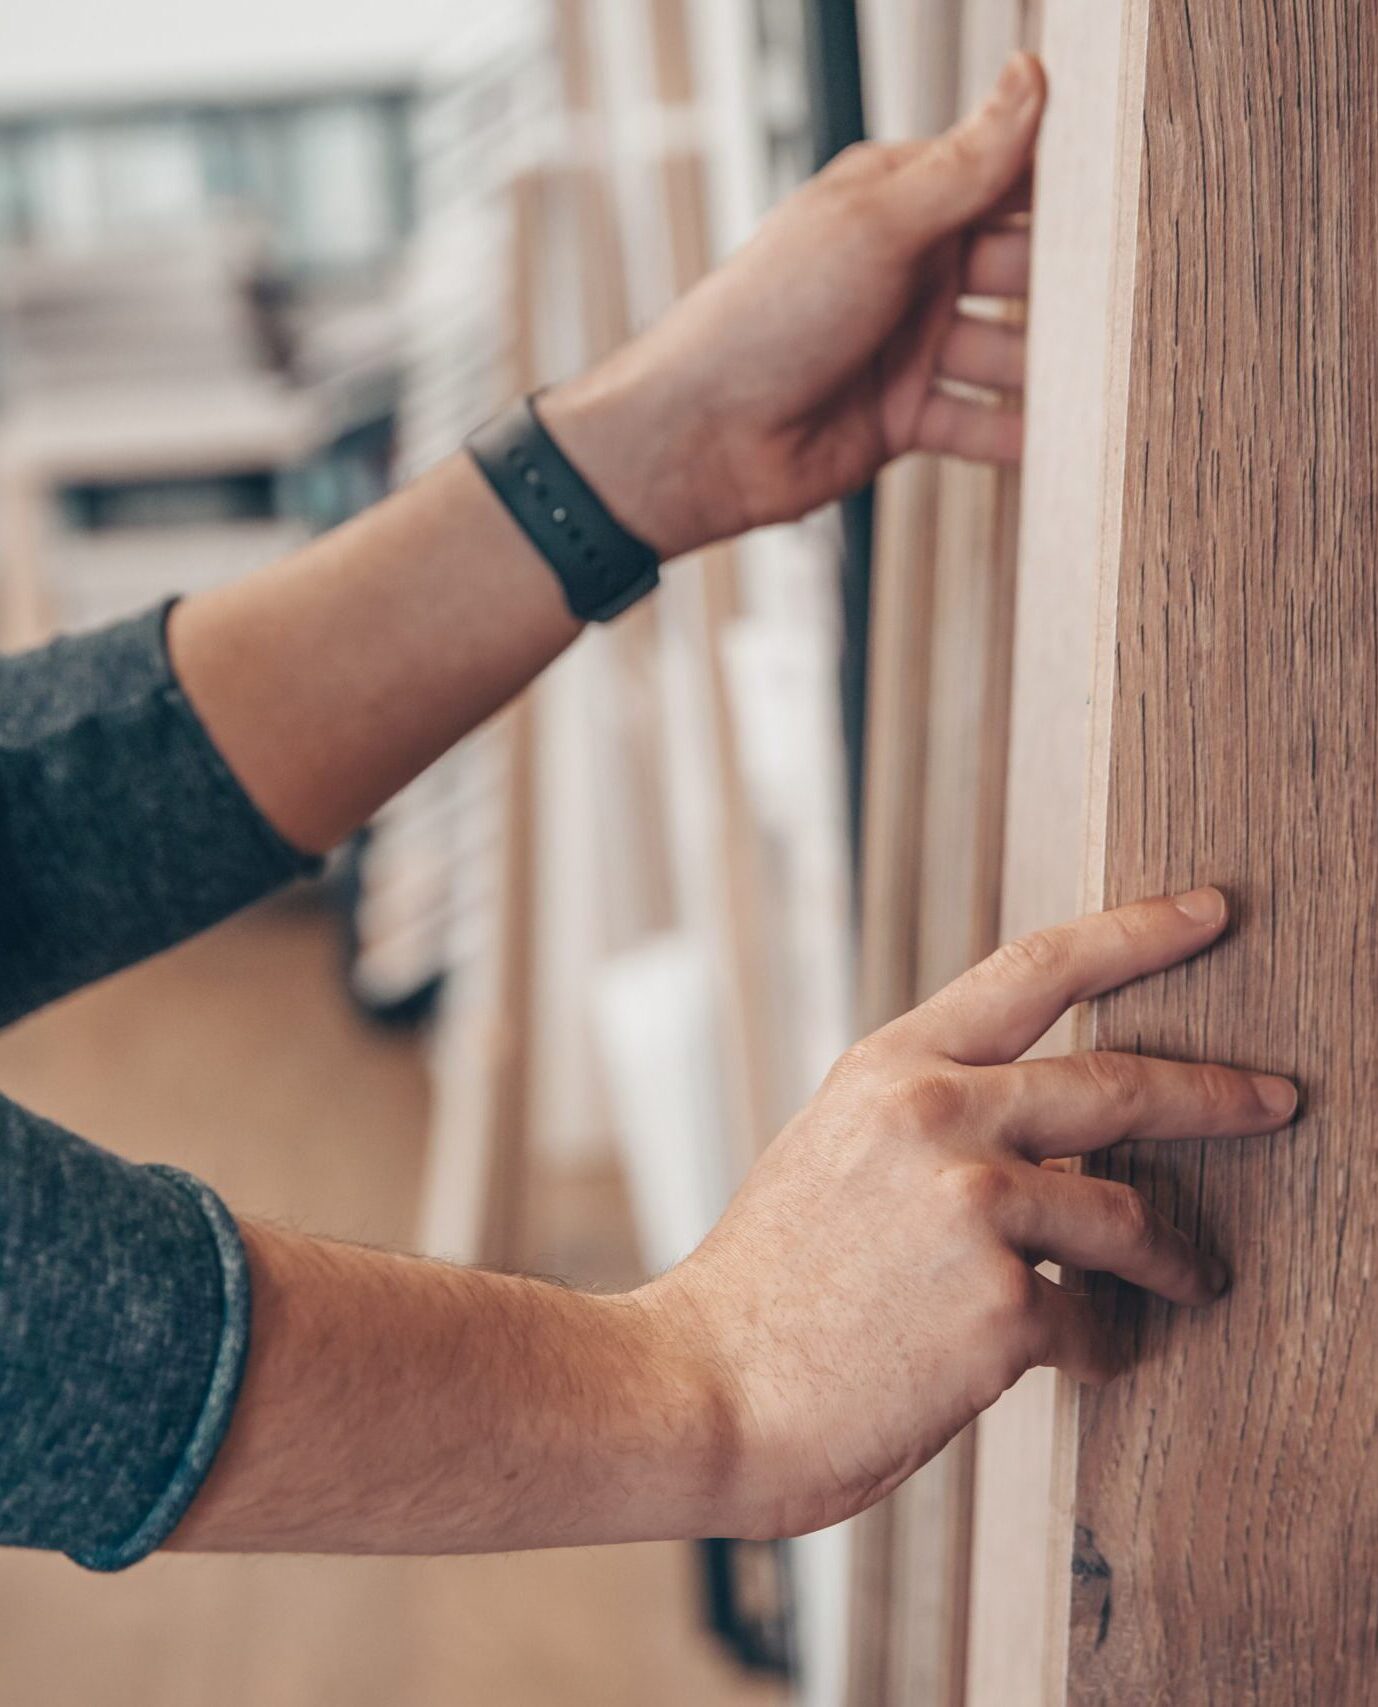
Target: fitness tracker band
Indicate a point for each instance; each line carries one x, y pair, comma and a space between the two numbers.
601, 566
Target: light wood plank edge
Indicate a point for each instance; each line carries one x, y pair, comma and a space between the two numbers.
713, 576
888, 973
959, 867
477, 1166
605, 323
1123, 265
1129, 129
508, 1141
1023, 1659
932, 843
896, 734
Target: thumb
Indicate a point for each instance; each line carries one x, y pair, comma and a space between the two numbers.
965, 172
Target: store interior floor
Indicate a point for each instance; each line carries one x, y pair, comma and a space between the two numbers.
239, 1057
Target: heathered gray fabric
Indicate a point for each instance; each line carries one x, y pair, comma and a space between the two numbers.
124, 1294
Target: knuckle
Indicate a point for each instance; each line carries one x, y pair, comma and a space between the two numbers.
857, 163
1044, 955
1217, 1092
857, 1066
1116, 1079
1131, 924
1134, 1222
935, 1101
962, 147
980, 1192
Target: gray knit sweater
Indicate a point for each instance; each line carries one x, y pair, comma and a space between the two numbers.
124, 1295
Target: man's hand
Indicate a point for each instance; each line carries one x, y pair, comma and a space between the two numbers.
784, 380
873, 1288
789, 376
868, 1292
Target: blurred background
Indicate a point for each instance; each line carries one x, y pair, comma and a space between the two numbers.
259, 262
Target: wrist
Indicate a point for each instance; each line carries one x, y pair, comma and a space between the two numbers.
691, 1405
644, 448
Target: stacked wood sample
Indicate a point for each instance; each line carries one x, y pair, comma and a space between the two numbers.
1193, 699
933, 841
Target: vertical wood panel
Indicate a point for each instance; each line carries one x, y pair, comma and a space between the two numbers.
711, 585
1228, 1491
1082, 284
943, 598
911, 1561
896, 732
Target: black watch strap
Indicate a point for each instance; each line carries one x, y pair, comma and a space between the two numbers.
601, 566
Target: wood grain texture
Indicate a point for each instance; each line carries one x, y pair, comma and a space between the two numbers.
1227, 1496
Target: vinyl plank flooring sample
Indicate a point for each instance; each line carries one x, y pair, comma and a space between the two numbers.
1226, 1508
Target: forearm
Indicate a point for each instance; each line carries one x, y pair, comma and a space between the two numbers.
773, 388
332, 678
396, 1405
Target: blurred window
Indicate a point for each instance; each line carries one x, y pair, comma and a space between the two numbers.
326, 176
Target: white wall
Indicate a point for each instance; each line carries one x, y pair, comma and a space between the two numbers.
92, 49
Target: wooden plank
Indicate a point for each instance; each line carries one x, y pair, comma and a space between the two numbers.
907, 1627
968, 723
1226, 1492
940, 673
644, 900
479, 1160
1075, 408
509, 1137
897, 687
973, 606
26, 603
709, 581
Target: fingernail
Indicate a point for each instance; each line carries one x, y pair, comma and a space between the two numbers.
1217, 1276
1202, 906
1278, 1096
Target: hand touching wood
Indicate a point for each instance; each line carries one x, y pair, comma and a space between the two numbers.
873, 1287
790, 375
783, 381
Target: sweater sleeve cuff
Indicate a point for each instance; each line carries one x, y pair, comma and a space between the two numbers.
222, 1389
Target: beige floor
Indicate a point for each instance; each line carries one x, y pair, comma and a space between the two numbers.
236, 1057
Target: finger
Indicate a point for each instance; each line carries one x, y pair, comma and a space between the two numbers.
1004, 1005
1103, 1227
970, 168
997, 264
977, 432
1072, 1337
983, 352
1073, 1104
